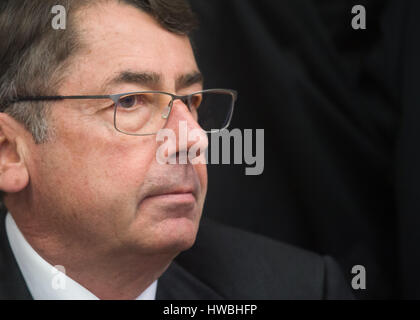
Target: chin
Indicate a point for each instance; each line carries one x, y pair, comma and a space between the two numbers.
177, 234
170, 236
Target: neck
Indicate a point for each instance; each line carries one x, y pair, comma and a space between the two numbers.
125, 280
107, 273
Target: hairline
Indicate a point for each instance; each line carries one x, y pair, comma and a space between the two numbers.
62, 72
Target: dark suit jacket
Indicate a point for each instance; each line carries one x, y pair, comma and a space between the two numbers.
224, 263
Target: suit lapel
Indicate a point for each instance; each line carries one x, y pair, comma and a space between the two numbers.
12, 284
178, 284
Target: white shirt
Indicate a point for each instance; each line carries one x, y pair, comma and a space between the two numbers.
46, 282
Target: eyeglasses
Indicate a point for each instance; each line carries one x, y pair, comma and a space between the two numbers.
146, 112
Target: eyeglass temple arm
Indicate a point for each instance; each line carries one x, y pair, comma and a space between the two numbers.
53, 98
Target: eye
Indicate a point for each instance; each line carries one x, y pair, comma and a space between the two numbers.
132, 101
127, 102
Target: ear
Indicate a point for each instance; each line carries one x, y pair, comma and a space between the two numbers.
14, 175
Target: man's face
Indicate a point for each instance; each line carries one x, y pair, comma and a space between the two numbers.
103, 188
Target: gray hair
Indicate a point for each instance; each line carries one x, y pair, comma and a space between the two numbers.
34, 57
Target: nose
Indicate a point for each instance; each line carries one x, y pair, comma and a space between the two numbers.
180, 112
191, 140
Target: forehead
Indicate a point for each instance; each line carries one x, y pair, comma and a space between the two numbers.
119, 37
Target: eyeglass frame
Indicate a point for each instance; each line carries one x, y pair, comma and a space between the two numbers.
115, 98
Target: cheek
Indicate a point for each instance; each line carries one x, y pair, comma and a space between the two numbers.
122, 166
98, 168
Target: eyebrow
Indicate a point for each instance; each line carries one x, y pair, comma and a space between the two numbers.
189, 79
153, 79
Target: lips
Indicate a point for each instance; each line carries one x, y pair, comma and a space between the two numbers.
177, 186
172, 191
180, 202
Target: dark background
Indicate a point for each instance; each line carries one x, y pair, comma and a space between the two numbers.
340, 109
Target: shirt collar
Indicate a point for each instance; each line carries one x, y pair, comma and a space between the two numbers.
47, 282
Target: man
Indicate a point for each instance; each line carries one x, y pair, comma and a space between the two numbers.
79, 170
